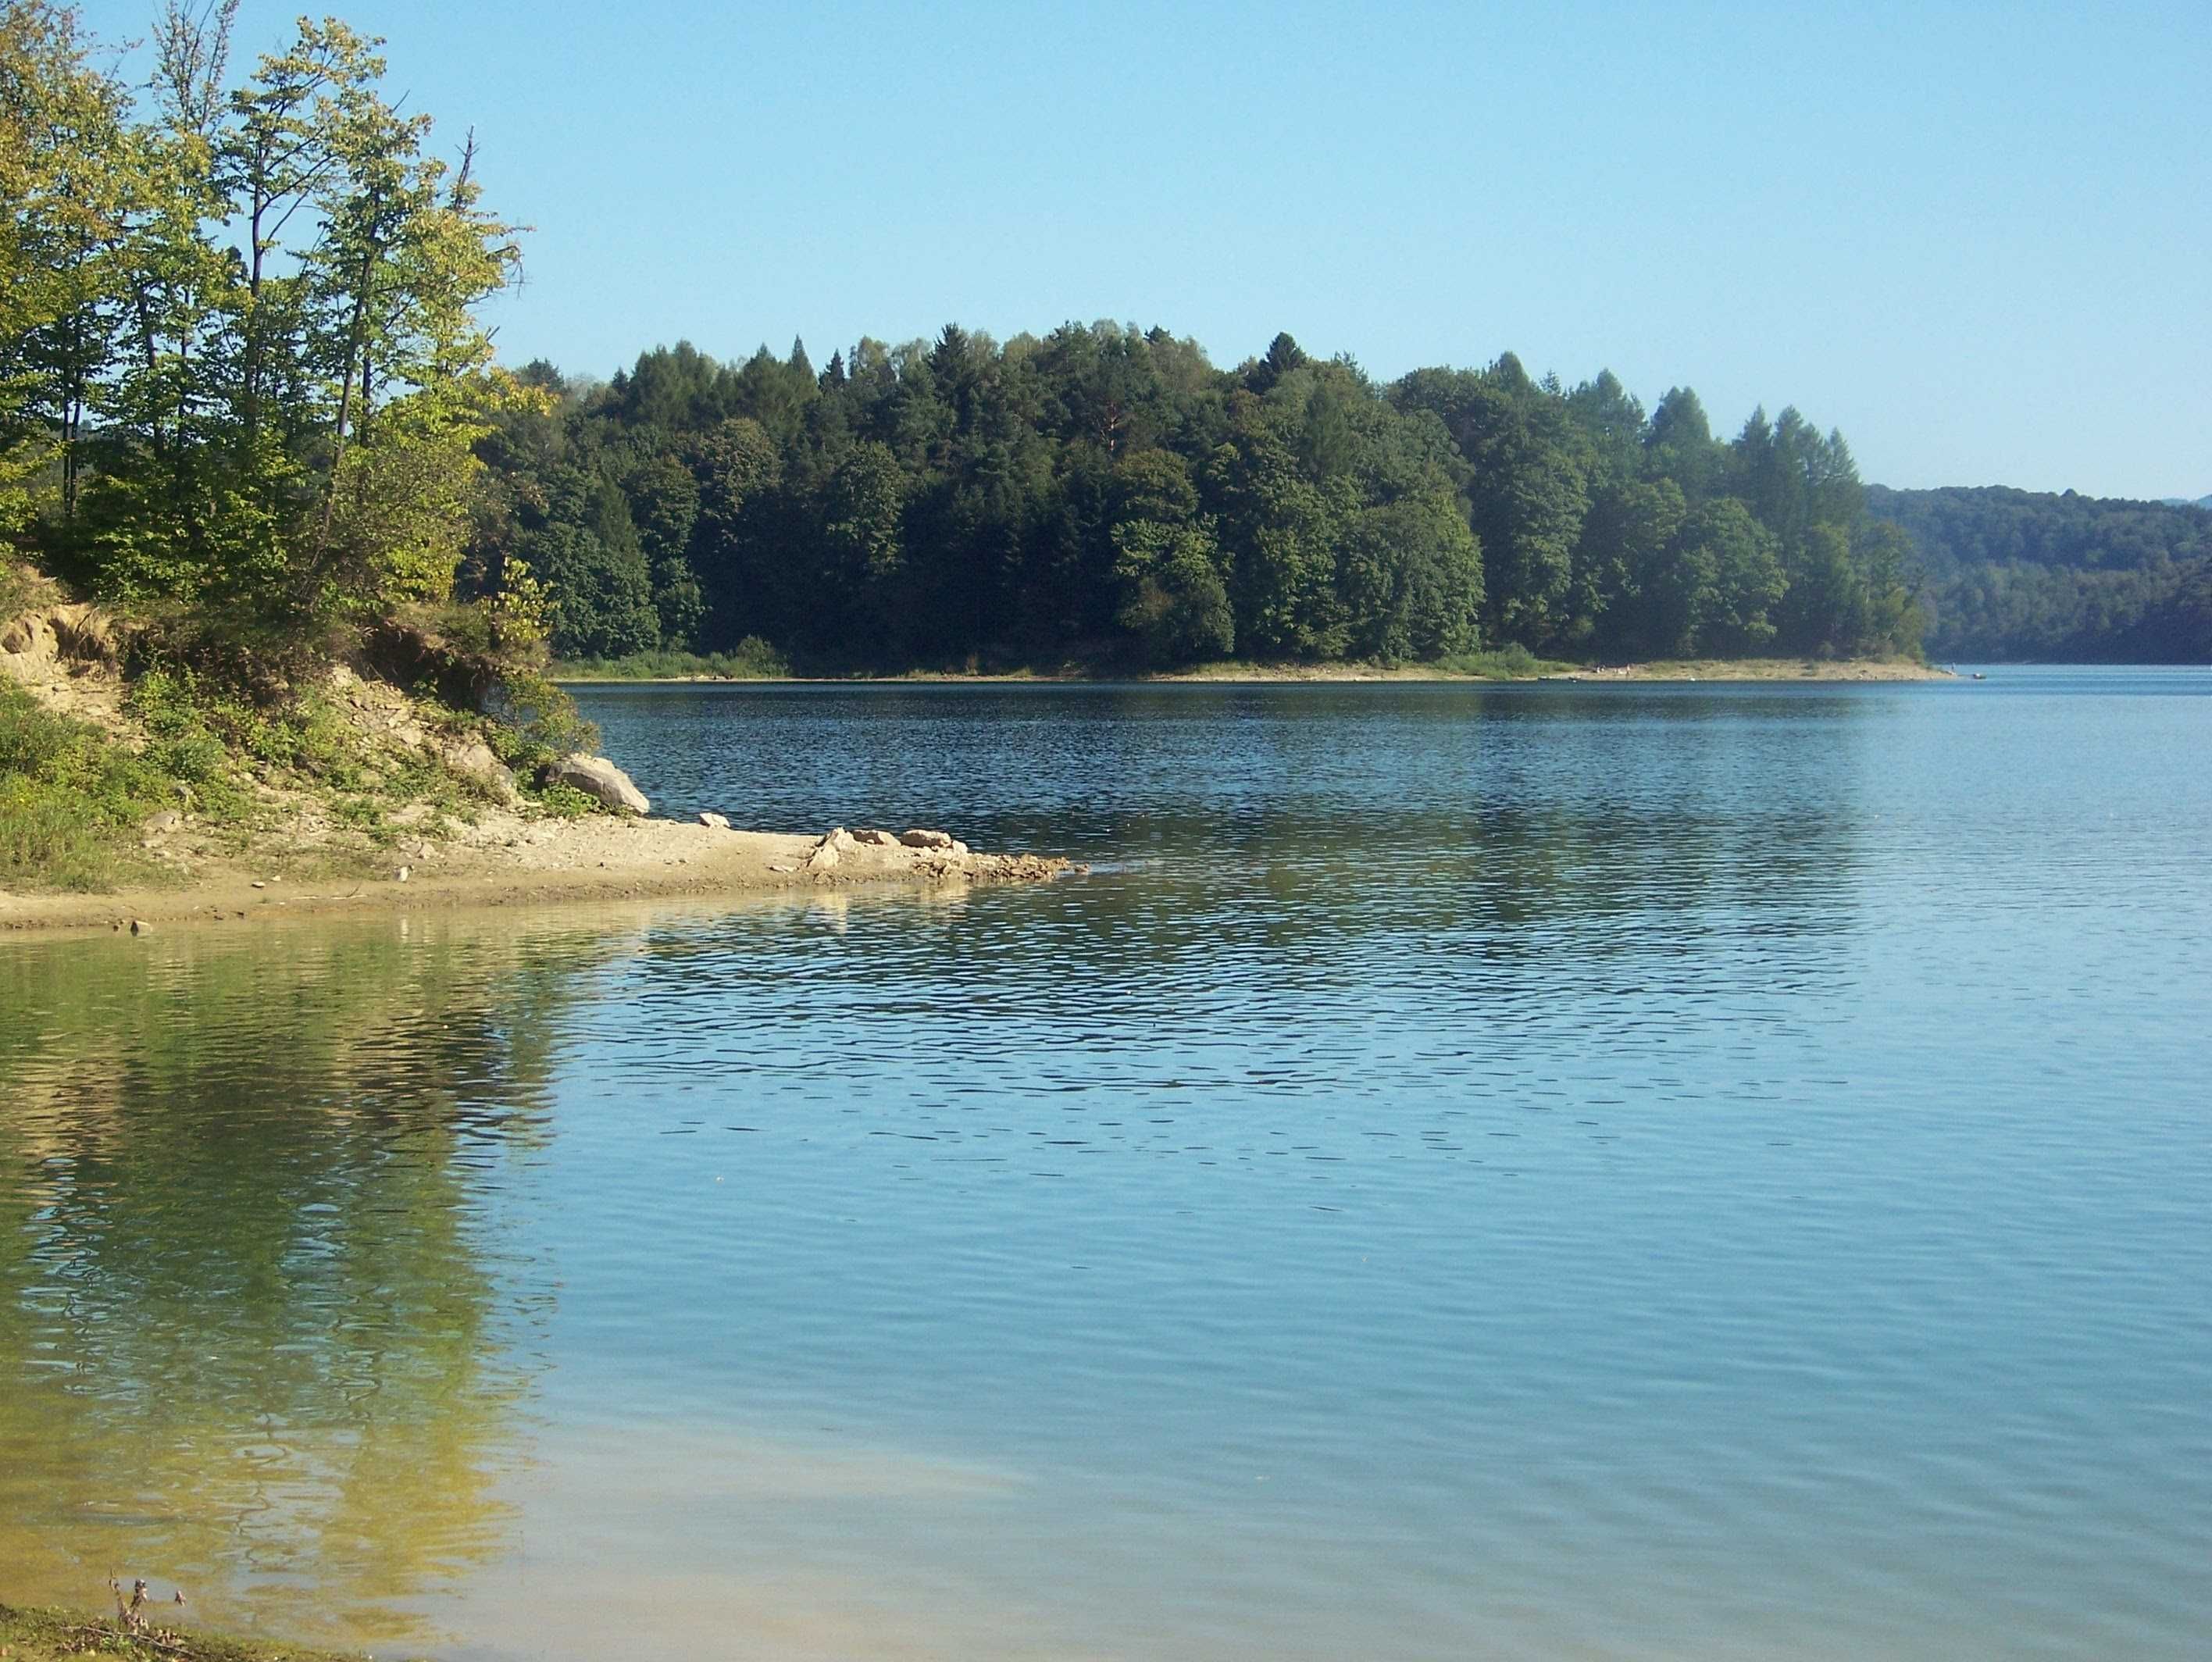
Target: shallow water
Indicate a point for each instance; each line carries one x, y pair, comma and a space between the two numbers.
1608, 1172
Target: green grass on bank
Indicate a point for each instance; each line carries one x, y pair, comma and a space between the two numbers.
49, 1636
76, 800
1510, 663
752, 660
72, 800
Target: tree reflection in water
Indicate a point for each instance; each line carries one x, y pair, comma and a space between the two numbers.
257, 1334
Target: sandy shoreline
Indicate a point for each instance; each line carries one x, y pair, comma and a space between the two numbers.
511, 861
1755, 669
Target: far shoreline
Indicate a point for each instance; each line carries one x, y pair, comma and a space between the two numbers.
1765, 670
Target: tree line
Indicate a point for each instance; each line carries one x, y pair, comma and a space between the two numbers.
1107, 494
2025, 575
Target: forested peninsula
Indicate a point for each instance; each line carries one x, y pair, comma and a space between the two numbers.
2028, 576
1104, 496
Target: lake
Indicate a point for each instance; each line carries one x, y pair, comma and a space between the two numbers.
1624, 1171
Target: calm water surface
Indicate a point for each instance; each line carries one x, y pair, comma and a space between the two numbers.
1683, 1172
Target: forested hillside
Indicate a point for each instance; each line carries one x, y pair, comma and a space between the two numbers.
2014, 574
1105, 495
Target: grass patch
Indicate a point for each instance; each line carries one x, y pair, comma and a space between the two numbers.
1511, 662
752, 660
72, 800
49, 1635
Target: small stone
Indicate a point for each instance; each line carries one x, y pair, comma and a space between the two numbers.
258, 883
918, 838
780, 868
404, 873
167, 820
714, 822
876, 839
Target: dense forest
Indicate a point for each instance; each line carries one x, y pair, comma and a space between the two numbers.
2015, 575
1106, 494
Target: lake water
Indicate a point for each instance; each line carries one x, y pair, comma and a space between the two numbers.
1579, 1172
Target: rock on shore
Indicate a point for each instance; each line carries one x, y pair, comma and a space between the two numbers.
600, 780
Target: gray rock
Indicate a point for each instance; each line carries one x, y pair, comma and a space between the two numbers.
876, 839
920, 838
714, 822
475, 761
597, 777
167, 820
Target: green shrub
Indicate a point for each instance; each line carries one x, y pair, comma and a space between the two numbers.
1511, 662
71, 798
536, 721
566, 802
750, 659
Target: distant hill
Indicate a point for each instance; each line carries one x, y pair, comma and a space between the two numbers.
2028, 575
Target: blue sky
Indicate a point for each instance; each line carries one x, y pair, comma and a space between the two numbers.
1978, 238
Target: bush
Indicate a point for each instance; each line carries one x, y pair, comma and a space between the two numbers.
750, 659
1511, 662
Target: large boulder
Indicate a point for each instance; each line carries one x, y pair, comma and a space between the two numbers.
599, 779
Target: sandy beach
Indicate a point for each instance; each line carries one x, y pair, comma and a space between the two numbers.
506, 859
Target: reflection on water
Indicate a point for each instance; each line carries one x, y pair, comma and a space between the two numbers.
253, 1313
1707, 1173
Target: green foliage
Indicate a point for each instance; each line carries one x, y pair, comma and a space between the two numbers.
536, 722
51, 1635
566, 802
240, 371
2014, 574
1177, 605
1106, 496
750, 659
70, 798
1508, 663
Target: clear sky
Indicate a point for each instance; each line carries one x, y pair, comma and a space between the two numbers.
1977, 238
